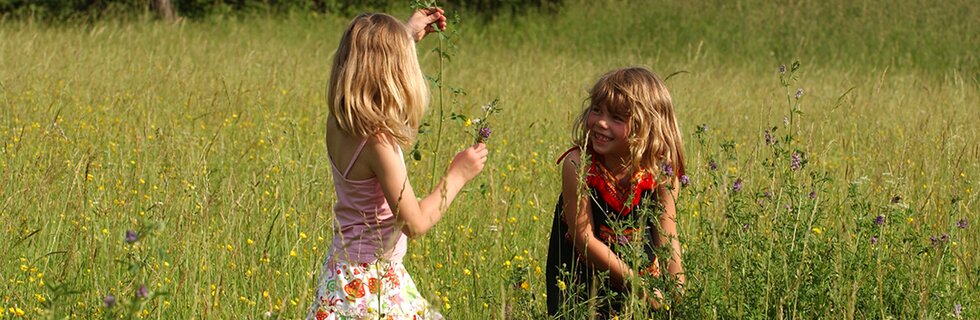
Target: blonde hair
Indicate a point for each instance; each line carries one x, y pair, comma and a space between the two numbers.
655, 137
376, 84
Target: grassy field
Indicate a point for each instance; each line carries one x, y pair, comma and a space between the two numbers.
206, 139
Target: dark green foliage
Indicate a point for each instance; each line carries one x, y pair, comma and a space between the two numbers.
62, 9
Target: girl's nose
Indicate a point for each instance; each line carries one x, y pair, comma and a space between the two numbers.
601, 123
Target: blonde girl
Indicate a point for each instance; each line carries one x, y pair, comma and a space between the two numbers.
626, 162
377, 96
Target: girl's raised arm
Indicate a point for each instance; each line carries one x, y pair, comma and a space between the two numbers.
418, 216
423, 21
577, 213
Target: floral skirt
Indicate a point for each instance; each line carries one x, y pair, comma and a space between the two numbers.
380, 290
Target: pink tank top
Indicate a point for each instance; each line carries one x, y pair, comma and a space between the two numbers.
365, 229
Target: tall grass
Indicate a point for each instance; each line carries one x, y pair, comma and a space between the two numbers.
206, 138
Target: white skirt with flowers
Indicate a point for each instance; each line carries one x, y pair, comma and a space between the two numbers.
380, 290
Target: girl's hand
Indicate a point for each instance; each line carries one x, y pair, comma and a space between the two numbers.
423, 21
469, 162
656, 300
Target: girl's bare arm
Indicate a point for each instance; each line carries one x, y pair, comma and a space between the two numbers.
418, 216
578, 215
668, 229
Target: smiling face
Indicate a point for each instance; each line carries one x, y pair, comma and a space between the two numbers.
609, 132
629, 120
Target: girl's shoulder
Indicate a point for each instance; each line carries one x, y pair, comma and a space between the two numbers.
570, 158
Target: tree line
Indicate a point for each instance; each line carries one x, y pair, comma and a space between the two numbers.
173, 9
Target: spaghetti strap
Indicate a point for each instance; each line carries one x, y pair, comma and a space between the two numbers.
563, 155
354, 158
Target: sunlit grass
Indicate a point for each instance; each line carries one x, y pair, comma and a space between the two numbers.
207, 138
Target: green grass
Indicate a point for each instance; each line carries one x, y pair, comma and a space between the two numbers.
207, 137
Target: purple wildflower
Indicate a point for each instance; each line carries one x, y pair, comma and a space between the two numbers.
944, 238
622, 239
737, 186
813, 194
712, 165
767, 194
782, 69
668, 170
874, 240
896, 199
796, 161
957, 310
745, 227
142, 292
769, 139
799, 93
131, 236
109, 301
933, 240
685, 180
760, 201
962, 224
880, 220
484, 133
703, 127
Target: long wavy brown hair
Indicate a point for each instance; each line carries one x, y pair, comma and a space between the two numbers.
655, 137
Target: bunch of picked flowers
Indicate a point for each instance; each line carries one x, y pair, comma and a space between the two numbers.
481, 130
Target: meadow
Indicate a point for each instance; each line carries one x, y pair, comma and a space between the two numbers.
181, 170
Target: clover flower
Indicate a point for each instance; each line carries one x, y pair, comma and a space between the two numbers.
685, 180
142, 292
737, 186
131, 236
484, 134
880, 220
874, 240
962, 224
796, 161
667, 169
109, 301
482, 124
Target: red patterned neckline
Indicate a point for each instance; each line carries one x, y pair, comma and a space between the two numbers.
610, 191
